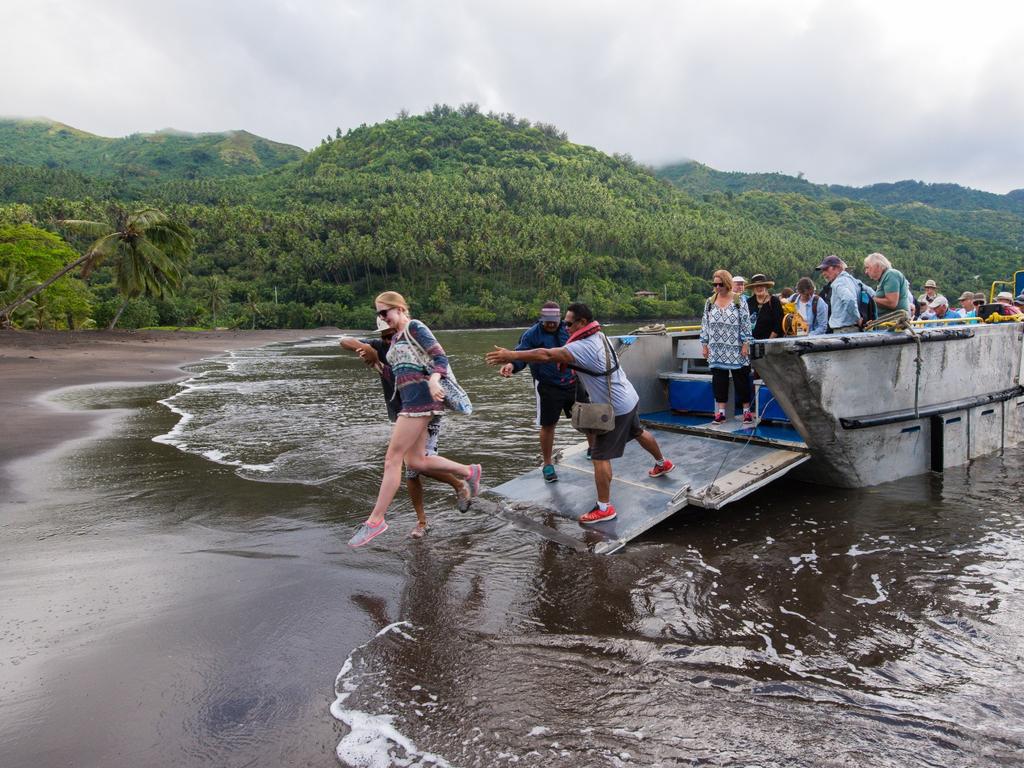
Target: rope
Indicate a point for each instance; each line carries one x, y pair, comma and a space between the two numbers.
899, 320
710, 486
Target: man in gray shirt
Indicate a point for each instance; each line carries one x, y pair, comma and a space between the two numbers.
586, 353
843, 317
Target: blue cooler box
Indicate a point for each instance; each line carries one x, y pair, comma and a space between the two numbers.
691, 396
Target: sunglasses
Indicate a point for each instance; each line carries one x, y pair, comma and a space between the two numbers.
383, 313
718, 285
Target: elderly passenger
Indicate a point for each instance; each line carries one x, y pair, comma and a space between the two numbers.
844, 316
938, 309
931, 292
967, 307
1005, 299
893, 291
739, 286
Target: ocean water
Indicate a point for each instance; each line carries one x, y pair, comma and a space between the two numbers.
179, 592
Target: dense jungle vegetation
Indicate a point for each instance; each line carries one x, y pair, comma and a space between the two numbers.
942, 207
476, 218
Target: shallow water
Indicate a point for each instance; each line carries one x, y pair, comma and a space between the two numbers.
190, 600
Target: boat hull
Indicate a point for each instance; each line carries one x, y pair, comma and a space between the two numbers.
875, 407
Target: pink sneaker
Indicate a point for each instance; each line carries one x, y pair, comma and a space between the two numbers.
597, 516
664, 469
475, 472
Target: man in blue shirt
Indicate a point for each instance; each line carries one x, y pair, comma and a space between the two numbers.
938, 309
556, 389
844, 317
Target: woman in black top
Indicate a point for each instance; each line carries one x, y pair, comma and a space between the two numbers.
765, 309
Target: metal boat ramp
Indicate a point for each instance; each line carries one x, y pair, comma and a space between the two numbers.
716, 464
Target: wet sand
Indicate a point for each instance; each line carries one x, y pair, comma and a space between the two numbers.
113, 597
33, 363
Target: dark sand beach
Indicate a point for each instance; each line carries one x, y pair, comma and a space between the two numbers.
33, 363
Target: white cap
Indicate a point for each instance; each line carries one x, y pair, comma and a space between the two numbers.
1004, 295
938, 301
739, 279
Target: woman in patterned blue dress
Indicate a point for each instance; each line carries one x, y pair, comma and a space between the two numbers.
725, 335
418, 362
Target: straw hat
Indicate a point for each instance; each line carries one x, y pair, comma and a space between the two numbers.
759, 280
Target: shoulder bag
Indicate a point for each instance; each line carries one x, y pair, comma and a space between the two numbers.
597, 417
455, 397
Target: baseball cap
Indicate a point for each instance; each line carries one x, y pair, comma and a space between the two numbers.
830, 261
550, 313
938, 301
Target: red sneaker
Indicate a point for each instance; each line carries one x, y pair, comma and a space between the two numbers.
719, 418
664, 469
748, 417
597, 516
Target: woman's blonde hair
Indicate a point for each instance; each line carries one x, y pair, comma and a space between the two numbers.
393, 300
725, 276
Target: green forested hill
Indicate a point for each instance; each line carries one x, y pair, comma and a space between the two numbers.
698, 179
944, 207
477, 219
142, 157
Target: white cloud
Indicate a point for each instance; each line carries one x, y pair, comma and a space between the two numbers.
851, 92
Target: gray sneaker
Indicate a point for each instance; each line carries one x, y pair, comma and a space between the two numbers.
366, 533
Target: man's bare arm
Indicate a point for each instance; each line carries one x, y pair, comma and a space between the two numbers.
887, 300
500, 355
367, 353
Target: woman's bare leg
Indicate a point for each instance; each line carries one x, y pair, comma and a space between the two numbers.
408, 433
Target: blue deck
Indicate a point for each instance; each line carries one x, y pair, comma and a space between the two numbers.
733, 428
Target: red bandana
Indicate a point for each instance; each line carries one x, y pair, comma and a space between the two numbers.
587, 330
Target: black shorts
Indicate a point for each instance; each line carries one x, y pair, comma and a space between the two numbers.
611, 445
553, 401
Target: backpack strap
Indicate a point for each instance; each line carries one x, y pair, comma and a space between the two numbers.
609, 355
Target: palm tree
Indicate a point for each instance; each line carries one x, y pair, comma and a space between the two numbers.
148, 247
253, 306
215, 295
13, 285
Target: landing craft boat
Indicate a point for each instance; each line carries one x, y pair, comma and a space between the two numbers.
847, 410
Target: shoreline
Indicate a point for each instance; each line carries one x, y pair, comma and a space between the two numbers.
34, 364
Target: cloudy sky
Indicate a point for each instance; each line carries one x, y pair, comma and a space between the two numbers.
845, 91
